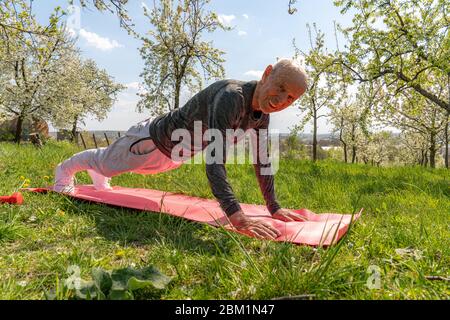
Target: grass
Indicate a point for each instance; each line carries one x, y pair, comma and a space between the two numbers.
405, 207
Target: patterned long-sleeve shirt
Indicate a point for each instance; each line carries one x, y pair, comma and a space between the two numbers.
225, 104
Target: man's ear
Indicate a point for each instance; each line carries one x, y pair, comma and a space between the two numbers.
267, 72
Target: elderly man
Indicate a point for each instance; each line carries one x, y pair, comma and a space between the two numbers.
148, 147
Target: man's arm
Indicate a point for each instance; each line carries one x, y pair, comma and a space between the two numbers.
265, 178
224, 115
263, 169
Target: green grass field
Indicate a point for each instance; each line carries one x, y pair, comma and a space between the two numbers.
405, 208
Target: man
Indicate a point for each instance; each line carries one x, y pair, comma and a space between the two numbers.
229, 104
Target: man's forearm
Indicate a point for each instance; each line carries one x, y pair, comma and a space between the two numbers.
221, 189
266, 184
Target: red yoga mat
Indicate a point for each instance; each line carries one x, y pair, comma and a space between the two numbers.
320, 229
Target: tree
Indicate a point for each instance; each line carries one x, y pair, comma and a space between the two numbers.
352, 115
413, 148
86, 91
413, 112
16, 17
379, 148
350, 121
292, 9
113, 6
174, 52
292, 147
403, 43
321, 91
30, 54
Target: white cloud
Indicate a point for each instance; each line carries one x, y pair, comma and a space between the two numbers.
104, 44
133, 85
226, 19
254, 73
242, 33
245, 16
136, 87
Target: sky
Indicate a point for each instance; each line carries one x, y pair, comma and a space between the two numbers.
262, 32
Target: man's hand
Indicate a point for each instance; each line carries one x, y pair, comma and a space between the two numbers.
254, 227
288, 216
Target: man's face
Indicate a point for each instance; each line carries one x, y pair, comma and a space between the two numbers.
279, 90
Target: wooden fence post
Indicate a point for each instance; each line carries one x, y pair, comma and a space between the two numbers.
95, 141
106, 137
84, 143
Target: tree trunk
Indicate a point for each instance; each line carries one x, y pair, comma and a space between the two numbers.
19, 126
344, 145
74, 130
353, 154
433, 150
448, 118
177, 94
353, 143
345, 153
446, 139
314, 135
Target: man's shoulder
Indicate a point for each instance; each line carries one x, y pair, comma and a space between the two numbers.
227, 85
231, 90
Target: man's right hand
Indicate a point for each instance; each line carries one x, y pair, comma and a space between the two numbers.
255, 227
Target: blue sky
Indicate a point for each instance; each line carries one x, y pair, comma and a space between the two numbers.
262, 31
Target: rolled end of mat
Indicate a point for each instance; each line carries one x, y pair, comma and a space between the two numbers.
16, 198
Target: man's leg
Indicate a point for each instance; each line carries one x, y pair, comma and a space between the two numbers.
127, 154
151, 161
154, 161
65, 171
101, 164
100, 182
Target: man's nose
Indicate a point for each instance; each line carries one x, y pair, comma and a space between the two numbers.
285, 98
284, 101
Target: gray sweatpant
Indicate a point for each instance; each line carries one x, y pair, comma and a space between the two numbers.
135, 152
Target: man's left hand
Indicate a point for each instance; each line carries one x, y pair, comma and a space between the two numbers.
288, 216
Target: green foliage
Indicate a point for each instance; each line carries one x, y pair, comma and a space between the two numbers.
175, 54
6, 136
43, 75
112, 285
84, 90
30, 61
404, 45
397, 60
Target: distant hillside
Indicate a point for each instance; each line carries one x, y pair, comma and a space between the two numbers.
98, 133
324, 139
